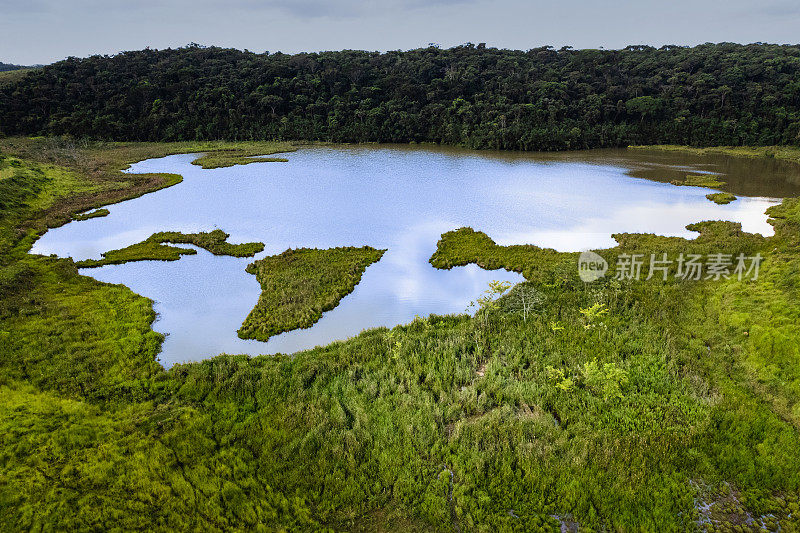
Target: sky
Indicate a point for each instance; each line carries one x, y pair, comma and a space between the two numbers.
43, 31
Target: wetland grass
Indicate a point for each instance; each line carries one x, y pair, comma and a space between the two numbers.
788, 153
675, 408
700, 180
299, 285
154, 248
721, 198
243, 156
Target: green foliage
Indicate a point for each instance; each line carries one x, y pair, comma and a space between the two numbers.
475, 96
299, 285
721, 198
524, 299
153, 249
12, 75
487, 304
594, 314
676, 410
606, 380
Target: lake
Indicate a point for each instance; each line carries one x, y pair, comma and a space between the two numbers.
401, 198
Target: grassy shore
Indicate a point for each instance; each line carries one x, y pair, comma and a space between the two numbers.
617, 405
97, 213
788, 153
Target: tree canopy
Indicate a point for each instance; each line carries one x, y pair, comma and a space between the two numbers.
476, 96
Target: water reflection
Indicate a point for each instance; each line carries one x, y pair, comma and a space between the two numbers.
397, 198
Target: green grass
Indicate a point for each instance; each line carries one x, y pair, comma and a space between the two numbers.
678, 393
146, 250
154, 249
244, 156
215, 241
465, 245
721, 198
700, 180
299, 285
91, 214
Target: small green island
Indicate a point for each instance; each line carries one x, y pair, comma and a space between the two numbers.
154, 248
299, 285
709, 181
721, 198
244, 154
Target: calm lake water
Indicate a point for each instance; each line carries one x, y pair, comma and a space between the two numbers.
400, 198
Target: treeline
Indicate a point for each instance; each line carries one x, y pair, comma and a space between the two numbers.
8, 66
541, 99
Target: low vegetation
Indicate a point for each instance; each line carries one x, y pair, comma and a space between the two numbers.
87, 174
721, 198
97, 213
244, 156
709, 181
464, 246
299, 285
146, 250
154, 248
788, 153
616, 405
215, 241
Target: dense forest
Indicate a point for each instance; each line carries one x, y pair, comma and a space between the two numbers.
540, 99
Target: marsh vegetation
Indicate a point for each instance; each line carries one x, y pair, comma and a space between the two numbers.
299, 285
154, 248
91, 214
616, 405
721, 198
700, 180
244, 154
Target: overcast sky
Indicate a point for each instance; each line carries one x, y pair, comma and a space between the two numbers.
42, 31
